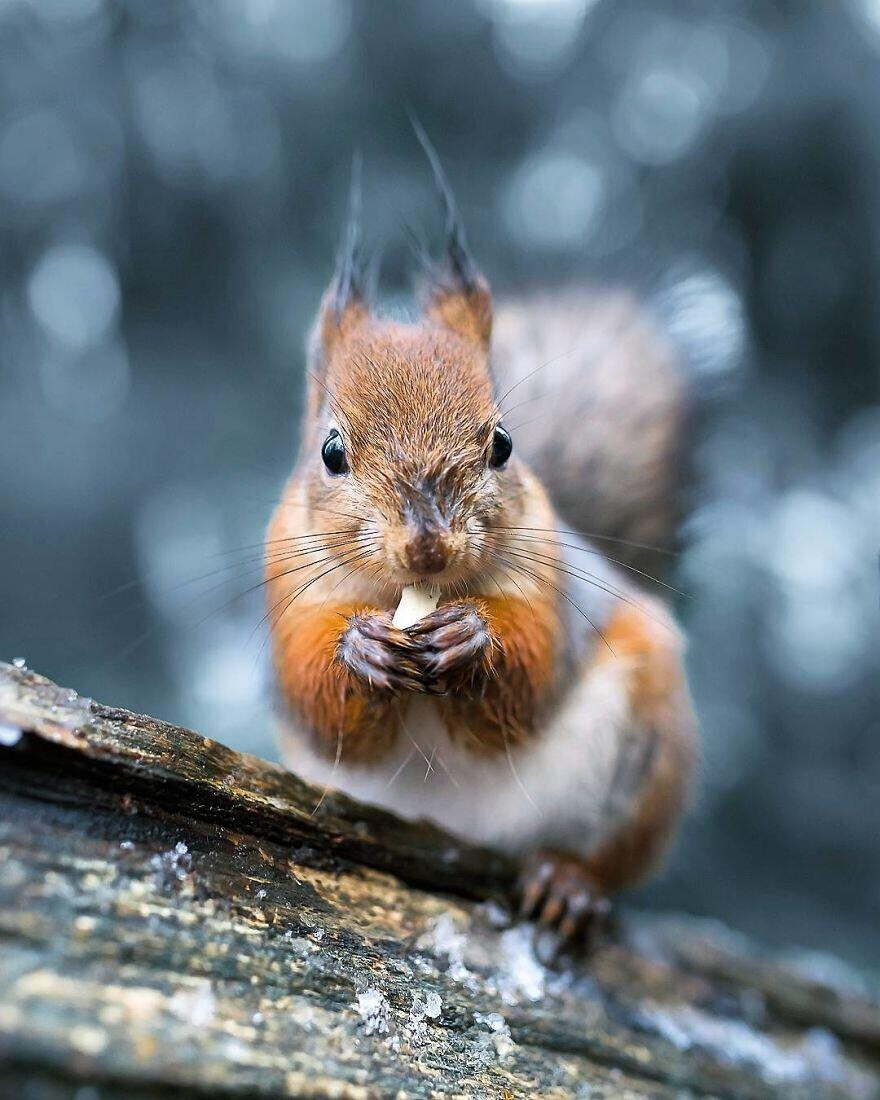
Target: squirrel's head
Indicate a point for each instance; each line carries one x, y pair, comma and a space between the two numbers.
404, 440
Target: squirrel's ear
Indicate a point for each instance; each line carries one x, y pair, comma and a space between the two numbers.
344, 303
466, 308
458, 294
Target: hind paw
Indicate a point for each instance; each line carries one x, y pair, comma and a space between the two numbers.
565, 902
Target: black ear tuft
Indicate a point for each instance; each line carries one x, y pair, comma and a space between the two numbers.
418, 246
458, 267
458, 295
350, 280
344, 304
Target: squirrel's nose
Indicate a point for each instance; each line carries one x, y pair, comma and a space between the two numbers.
426, 551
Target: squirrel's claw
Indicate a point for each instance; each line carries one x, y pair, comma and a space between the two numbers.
560, 895
454, 639
375, 652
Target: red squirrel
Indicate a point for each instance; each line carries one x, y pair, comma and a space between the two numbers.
542, 707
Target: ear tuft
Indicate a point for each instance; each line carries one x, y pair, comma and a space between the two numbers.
458, 295
344, 302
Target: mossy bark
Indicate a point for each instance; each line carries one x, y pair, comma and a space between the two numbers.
176, 919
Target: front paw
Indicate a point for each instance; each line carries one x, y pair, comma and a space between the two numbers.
453, 643
378, 654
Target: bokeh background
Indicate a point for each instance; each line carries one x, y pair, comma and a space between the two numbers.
172, 185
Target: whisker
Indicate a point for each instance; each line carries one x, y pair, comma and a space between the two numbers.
303, 588
413, 741
592, 535
588, 578
602, 554
331, 399
268, 580
134, 645
310, 535
338, 512
531, 374
254, 564
359, 541
525, 423
344, 548
329, 784
497, 584
559, 591
321, 605
260, 584
348, 575
288, 596
514, 582
527, 401
128, 585
521, 591
516, 775
445, 768
402, 768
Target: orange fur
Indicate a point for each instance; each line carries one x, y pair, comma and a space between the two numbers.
468, 314
663, 720
403, 367
345, 720
336, 326
521, 679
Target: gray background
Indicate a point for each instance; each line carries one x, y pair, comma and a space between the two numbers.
172, 181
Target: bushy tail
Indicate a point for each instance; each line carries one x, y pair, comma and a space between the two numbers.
595, 398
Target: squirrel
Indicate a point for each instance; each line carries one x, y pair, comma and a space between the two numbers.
542, 707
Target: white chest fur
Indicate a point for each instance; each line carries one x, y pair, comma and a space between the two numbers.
557, 790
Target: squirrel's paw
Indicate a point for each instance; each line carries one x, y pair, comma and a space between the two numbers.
560, 895
452, 642
378, 654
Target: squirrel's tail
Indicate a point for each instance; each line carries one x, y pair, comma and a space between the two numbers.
595, 397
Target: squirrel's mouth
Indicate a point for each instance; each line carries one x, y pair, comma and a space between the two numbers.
446, 578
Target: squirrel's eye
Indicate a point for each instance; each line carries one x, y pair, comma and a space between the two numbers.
333, 454
502, 445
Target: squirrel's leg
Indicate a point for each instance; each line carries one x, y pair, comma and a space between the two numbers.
342, 670
567, 893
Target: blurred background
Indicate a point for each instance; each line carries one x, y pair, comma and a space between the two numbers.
172, 187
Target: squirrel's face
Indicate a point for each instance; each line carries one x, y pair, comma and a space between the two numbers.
405, 450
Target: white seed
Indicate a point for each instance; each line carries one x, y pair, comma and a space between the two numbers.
415, 603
